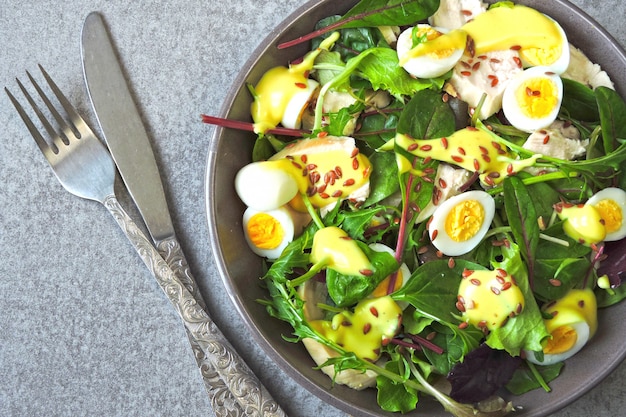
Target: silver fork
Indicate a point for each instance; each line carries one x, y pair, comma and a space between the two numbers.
84, 167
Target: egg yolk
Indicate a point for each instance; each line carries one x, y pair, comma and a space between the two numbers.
265, 231
383, 288
537, 97
611, 215
563, 339
464, 220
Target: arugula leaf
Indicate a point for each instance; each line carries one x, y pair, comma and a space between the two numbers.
382, 69
393, 396
380, 66
522, 217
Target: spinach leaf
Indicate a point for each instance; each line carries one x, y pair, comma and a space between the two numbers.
543, 196
346, 290
612, 118
522, 217
358, 223
426, 116
432, 290
579, 102
352, 41
555, 277
455, 347
523, 379
379, 126
383, 177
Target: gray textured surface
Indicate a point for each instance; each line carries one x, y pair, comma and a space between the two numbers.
83, 328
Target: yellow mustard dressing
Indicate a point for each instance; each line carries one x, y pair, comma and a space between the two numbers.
326, 169
278, 85
366, 330
582, 223
273, 92
535, 35
576, 306
470, 148
488, 298
333, 247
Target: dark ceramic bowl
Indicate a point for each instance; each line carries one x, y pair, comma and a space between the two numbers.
240, 268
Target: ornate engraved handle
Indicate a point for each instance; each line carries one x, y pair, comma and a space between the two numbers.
247, 390
221, 398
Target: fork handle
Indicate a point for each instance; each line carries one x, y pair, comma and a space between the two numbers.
220, 396
248, 391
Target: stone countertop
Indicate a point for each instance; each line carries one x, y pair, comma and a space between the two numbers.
84, 330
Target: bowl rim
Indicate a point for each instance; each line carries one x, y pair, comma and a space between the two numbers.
545, 408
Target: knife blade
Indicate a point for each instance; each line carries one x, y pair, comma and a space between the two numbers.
129, 144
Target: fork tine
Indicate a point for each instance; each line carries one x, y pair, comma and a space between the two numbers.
65, 128
47, 150
78, 123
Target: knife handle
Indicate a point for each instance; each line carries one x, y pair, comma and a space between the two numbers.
248, 391
221, 398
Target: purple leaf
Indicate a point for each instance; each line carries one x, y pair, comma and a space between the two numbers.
483, 372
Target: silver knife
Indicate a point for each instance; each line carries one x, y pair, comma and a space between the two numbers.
129, 144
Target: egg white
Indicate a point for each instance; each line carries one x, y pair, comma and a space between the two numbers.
284, 217
582, 336
511, 106
264, 187
618, 196
292, 117
442, 240
425, 66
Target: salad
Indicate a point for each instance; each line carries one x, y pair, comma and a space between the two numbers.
437, 189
